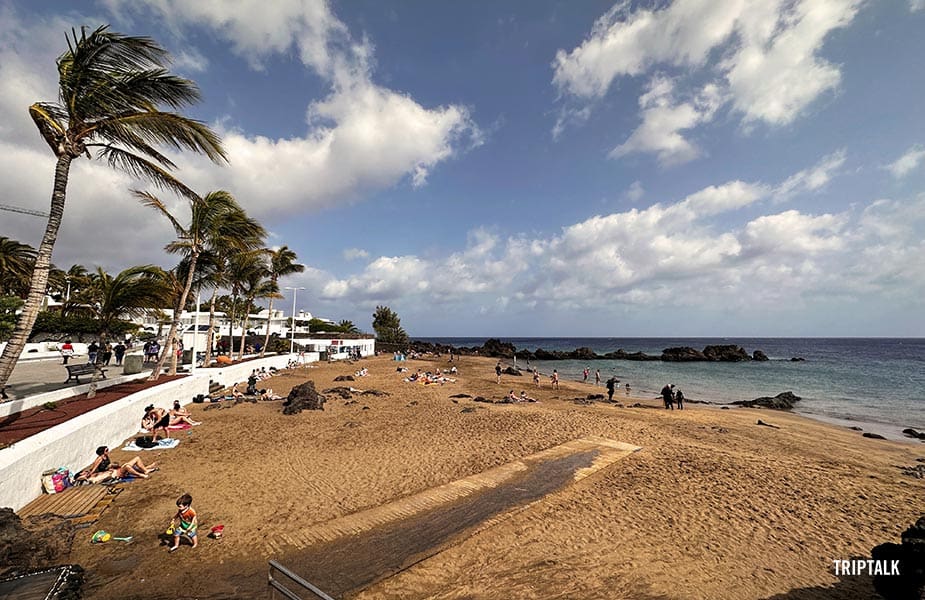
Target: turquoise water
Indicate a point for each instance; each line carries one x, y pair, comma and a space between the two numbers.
874, 381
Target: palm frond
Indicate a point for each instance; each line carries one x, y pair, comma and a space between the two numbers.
52, 131
151, 201
140, 130
140, 168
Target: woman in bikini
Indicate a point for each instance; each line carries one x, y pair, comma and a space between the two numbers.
158, 420
103, 468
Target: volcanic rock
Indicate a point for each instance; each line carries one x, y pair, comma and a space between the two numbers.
759, 356
920, 435
344, 378
782, 401
512, 371
682, 354
726, 353
303, 397
873, 436
910, 583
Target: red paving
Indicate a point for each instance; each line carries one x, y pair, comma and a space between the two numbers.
19, 426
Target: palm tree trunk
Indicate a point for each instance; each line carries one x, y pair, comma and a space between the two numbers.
30, 311
234, 306
243, 333
172, 336
266, 339
210, 334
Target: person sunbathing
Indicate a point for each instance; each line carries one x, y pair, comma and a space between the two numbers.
157, 420
235, 392
268, 394
178, 411
525, 398
103, 468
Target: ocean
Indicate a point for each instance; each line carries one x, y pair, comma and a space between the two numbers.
875, 383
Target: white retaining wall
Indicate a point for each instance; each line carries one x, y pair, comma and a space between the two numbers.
72, 444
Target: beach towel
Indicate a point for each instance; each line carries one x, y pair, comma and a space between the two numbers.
180, 426
161, 445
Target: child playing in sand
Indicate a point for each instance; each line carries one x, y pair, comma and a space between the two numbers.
184, 522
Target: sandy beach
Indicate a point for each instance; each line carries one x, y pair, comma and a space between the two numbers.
712, 506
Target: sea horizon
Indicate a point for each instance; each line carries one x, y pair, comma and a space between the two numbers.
875, 383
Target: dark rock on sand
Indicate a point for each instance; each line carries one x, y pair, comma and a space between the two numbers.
682, 354
460, 396
303, 397
782, 401
596, 397
38, 542
910, 583
919, 435
759, 356
873, 436
856, 428
343, 392
344, 378
726, 353
760, 422
374, 393
512, 371
482, 399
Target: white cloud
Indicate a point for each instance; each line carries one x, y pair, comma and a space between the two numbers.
663, 121
635, 192
361, 137
908, 162
624, 42
688, 252
916, 5
777, 72
765, 53
811, 179
355, 253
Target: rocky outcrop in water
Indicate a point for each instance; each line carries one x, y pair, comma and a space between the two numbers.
495, 348
303, 397
782, 401
910, 583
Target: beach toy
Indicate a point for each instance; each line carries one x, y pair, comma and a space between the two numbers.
216, 532
101, 537
169, 531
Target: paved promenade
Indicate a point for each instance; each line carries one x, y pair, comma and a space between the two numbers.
31, 377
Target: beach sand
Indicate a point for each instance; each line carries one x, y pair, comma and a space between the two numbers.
712, 506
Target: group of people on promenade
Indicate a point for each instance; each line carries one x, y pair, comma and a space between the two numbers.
98, 352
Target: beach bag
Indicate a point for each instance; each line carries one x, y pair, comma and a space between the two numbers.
145, 442
56, 481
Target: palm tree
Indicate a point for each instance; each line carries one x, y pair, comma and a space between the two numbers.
247, 273
110, 88
217, 216
128, 294
16, 264
281, 263
348, 327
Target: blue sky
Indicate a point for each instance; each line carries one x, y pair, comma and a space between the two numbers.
701, 167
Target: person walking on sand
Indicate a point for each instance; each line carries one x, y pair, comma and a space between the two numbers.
597, 377
679, 399
611, 384
498, 371
536, 377
668, 396
554, 379
627, 389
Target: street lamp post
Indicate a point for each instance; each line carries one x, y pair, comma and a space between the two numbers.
295, 290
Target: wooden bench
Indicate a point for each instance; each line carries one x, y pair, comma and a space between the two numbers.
75, 371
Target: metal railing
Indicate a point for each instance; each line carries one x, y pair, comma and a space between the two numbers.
294, 581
